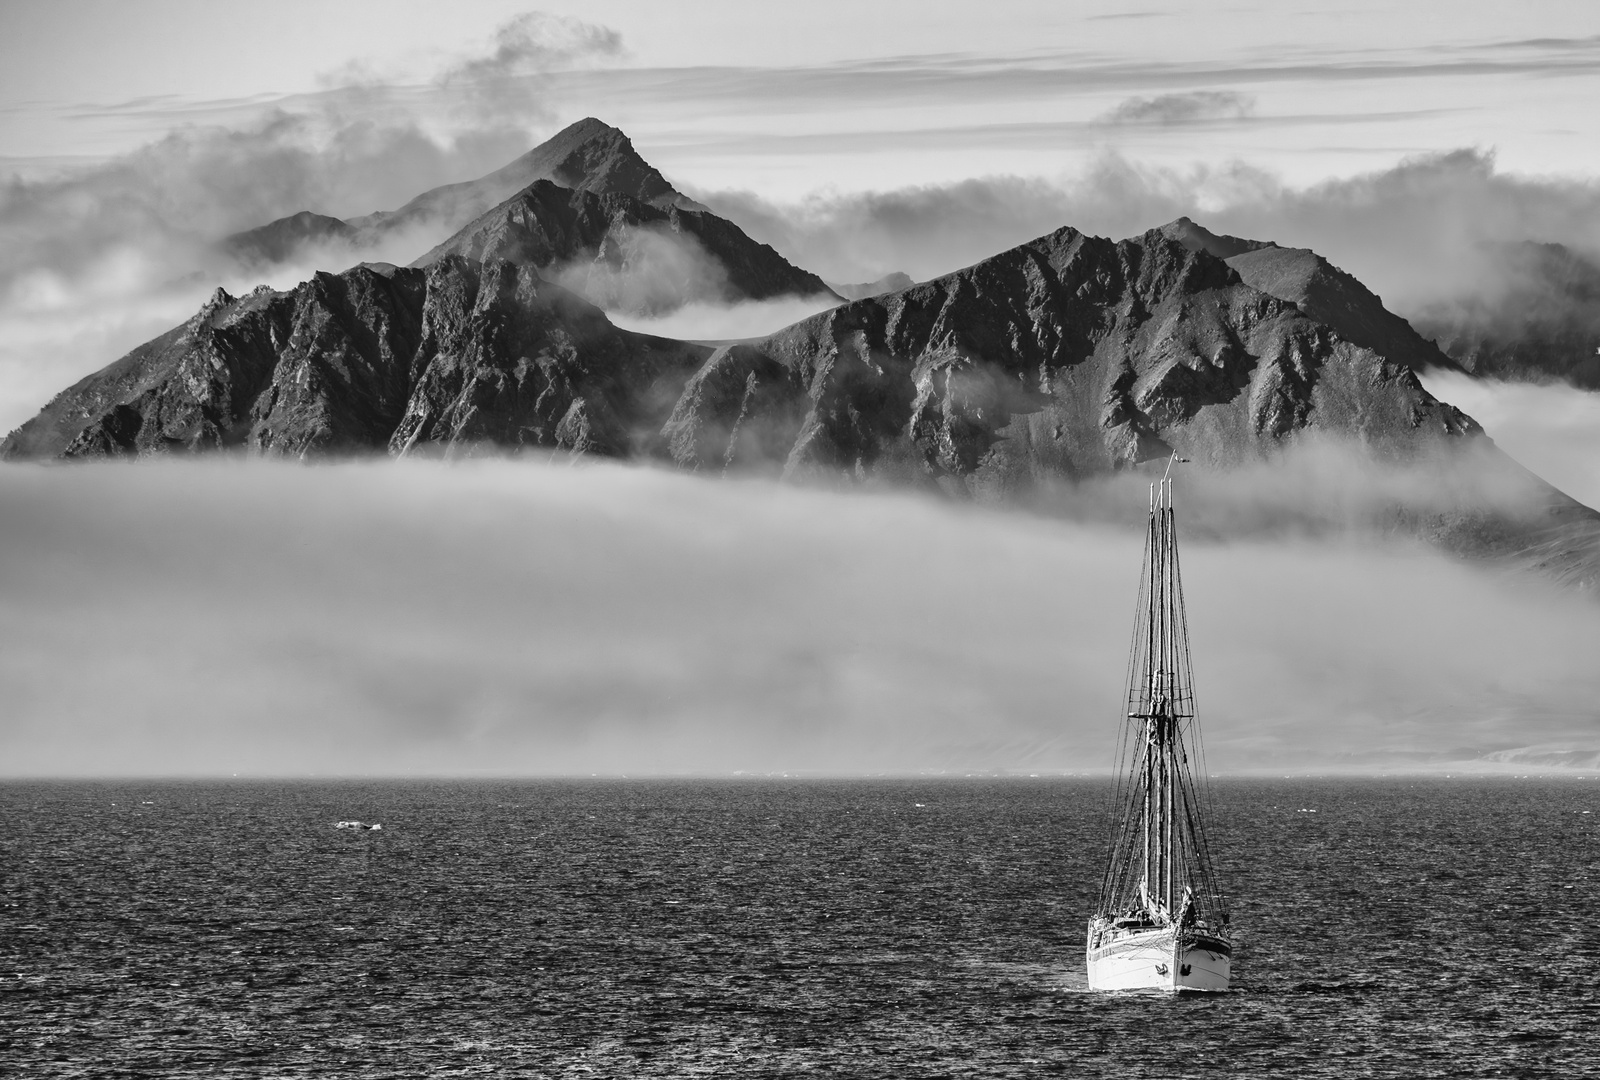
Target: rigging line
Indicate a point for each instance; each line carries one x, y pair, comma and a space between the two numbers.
1123, 843
1123, 793
1205, 866
1206, 791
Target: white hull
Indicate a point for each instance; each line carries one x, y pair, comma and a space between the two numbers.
1155, 959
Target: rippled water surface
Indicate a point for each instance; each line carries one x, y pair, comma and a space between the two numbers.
1407, 928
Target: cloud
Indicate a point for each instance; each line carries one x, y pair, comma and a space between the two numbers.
508, 85
526, 618
1182, 108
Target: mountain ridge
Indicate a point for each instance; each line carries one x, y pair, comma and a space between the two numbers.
1064, 357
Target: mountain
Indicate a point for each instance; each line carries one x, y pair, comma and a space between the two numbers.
1062, 357
589, 155
628, 255
1538, 322
376, 358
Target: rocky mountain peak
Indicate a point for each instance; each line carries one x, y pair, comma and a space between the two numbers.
591, 155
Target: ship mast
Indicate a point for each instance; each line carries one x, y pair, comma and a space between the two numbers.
1161, 707
1160, 867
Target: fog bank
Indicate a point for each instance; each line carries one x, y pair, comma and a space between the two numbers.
518, 617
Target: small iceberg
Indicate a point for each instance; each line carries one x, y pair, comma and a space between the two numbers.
357, 825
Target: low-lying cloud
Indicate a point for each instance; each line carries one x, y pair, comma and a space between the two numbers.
518, 617
647, 270
724, 321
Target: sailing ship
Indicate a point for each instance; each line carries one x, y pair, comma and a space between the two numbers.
1162, 921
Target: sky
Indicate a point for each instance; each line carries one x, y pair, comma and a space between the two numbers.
792, 99
531, 617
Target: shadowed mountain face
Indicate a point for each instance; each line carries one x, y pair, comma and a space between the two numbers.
586, 156
1067, 356
1542, 325
458, 355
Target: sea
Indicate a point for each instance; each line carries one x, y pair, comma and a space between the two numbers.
1392, 927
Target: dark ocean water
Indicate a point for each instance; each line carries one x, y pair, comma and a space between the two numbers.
1408, 928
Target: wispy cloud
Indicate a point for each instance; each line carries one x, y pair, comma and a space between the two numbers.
1184, 108
538, 57
1046, 75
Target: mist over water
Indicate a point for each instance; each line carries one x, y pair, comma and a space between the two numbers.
520, 617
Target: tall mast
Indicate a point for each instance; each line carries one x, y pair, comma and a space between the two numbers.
1159, 702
